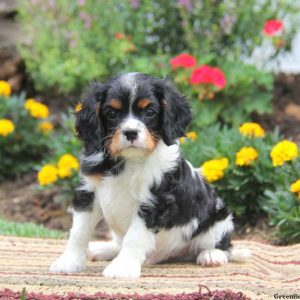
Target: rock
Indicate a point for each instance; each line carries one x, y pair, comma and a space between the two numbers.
10, 33
293, 110
9, 66
7, 7
12, 67
16, 82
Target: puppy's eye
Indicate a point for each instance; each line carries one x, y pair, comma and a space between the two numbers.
149, 113
111, 114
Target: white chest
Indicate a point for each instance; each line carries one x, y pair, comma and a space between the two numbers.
120, 196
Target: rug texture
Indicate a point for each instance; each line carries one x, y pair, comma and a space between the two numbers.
24, 263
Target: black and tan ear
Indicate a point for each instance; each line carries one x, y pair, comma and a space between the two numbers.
88, 124
176, 114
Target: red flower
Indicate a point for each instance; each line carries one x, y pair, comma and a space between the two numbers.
272, 27
119, 36
207, 74
183, 60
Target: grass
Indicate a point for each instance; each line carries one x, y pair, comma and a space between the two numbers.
23, 294
28, 230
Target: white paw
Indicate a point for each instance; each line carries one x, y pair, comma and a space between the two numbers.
212, 257
102, 251
68, 263
123, 268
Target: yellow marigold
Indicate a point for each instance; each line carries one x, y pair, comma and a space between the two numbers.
29, 103
214, 169
6, 127
246, 156
5, 88
295, 188
182, 140
46, 127
78, 107
64, 172
36, 109
252, 129
47, 175
39, 111
66, 164
283, 151
192, 135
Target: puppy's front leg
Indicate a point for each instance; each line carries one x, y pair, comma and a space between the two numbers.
137, 243
74, 257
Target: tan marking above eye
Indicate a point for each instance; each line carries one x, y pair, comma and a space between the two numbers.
115, 103
143, 103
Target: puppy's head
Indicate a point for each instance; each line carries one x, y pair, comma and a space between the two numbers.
131, 114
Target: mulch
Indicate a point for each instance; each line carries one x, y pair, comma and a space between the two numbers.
24, 263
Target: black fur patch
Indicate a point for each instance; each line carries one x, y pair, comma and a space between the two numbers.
176, 114
83, 200
180, 198
225, 243
215, 216
107, 167
88, 124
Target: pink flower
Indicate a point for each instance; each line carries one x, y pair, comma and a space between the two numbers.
81, 2
207, 74
87, 20
135, 4
183, 60
186, 3
272, 27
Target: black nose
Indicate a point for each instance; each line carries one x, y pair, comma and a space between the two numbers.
131, 135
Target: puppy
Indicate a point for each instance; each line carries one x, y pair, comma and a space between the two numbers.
135, 177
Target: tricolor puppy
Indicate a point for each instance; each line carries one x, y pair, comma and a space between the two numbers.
134, 176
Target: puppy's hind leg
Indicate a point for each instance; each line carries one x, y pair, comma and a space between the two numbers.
85, 220
104, 250
212, 257
215, 244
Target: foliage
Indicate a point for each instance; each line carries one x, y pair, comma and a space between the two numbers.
283, 204
79, 41
284, 212
22, 140
27, 230
65, 150
246, 90
242, 187
253, 188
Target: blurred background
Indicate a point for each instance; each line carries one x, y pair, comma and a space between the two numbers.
238, 65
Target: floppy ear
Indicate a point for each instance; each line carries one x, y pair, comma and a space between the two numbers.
176, 113
88, 122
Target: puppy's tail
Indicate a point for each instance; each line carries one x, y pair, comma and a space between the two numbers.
239, 254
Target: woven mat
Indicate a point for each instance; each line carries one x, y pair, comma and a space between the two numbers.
272, 270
